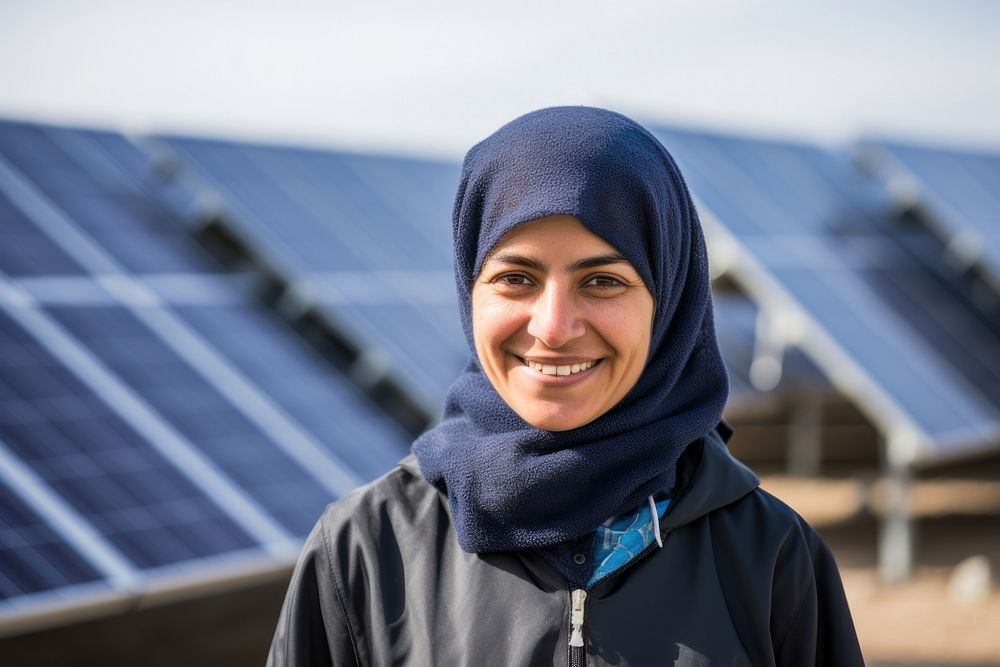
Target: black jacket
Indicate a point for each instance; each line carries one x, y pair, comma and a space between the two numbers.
741, 580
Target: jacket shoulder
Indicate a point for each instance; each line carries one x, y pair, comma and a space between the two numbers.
381, 525
809, 618
770, 535
399, 494
774, 518
353, 555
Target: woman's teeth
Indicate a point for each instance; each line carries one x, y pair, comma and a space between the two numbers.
548, 369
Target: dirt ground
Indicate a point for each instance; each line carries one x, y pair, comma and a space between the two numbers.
949, 612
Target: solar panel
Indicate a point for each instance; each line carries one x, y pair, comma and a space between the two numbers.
885, 320
83, 173
364, 240
960, 191
198, 411
73, 441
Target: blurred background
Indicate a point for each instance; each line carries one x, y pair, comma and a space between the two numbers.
226, 294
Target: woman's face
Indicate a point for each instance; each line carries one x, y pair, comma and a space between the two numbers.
561, 323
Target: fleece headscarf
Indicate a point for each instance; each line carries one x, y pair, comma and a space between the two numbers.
511, 485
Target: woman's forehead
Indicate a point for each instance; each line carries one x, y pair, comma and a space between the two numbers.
551, 235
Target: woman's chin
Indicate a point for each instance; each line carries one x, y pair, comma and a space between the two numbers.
555, 417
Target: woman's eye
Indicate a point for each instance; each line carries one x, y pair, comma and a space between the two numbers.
604, 282
512, 280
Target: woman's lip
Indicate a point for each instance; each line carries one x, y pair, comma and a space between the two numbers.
557, 380
558, 361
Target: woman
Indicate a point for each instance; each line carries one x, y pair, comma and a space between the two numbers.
577, 503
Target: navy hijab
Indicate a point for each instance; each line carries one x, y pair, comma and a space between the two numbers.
511, 485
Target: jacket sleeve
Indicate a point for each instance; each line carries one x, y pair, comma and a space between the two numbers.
313, 629
815, 623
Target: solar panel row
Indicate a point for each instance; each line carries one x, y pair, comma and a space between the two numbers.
144, 394
890, 324
159, 415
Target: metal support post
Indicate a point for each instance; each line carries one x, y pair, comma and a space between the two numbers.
897, 532
805, 446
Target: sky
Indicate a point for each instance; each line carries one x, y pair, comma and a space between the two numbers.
434, 77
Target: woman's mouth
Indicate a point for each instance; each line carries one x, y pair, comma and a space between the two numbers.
560, 369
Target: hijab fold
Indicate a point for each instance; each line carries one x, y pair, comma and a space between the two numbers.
513, 486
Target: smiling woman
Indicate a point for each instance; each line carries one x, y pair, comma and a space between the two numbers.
561, 323
577, 503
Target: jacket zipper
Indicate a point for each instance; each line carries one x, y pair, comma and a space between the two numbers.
578, 598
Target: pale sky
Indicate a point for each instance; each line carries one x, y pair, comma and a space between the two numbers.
435, 76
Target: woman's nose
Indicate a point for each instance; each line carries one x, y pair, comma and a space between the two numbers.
555, 319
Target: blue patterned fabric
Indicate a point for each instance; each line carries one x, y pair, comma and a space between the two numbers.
623, 538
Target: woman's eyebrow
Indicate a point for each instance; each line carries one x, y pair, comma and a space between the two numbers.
597, 260
519, 260
579, 265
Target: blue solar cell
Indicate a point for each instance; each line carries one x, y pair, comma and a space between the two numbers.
812, 222
705, 172
965, 182
134, 164
421, 191
25, 144
25, 250
132, 496
33, 557
97, 190
287, 217
200, 412
303, 385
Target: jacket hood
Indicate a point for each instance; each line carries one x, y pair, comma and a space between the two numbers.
717, 480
